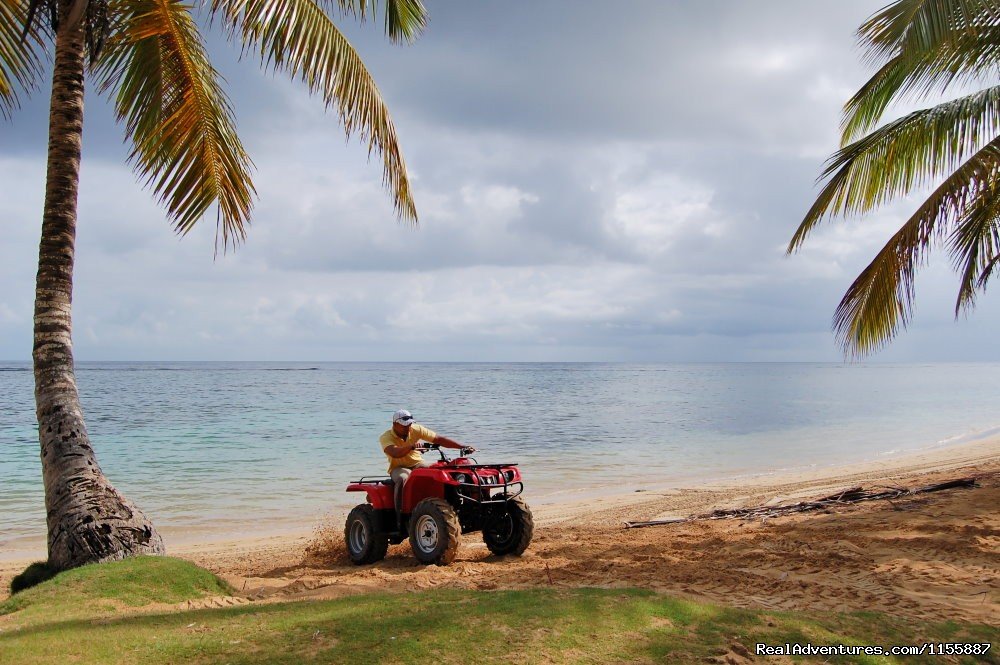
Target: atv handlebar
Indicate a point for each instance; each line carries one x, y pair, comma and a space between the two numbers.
463, 451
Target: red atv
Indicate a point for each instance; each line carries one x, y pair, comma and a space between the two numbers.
440, 503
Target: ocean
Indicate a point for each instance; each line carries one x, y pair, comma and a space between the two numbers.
210, 447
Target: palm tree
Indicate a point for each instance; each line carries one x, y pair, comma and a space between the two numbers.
921, 48
150, 58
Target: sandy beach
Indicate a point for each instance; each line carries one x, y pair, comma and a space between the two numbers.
933, 556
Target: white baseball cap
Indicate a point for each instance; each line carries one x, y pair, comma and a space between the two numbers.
403, 417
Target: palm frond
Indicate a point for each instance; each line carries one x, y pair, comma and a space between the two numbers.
41, 14
98, 20
918, 47
880, 301
19, 64
180, 122
908, 76
988, 271
404, 19
918, 26
923, 46
975, 242
296, 36
905, 154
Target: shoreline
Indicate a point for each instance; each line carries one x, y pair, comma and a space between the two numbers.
957, 451
967, 450
299, 521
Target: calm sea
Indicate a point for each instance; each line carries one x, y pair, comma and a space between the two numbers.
199, 445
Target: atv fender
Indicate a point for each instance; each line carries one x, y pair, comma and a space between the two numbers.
424, 483
379, 493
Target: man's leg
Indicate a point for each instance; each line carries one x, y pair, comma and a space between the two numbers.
399, 476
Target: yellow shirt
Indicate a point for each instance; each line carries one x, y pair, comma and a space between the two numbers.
417, 433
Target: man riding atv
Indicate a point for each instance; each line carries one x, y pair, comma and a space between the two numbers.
434, 505
399, 443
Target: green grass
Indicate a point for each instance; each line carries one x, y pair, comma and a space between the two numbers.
104, 589
84, 616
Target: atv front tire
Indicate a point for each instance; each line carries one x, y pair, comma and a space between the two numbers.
510, 531
435, 532
365, 542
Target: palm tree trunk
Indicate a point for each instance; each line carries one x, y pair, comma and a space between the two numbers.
88, 519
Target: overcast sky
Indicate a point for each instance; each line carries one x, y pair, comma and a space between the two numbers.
595, 181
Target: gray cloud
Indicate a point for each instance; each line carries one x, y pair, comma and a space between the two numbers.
613, 182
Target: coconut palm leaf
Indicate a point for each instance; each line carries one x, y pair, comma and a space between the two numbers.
180, 122
975, 243
298, 37
908, 153
919, 47
404, 19
926, 46
988, 270
19, 64
917, 26
974, 57
880, 301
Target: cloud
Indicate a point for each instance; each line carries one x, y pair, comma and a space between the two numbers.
595, 184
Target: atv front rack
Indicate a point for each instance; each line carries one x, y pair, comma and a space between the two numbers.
484, 490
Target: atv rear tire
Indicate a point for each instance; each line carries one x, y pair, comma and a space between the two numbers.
510, 532
365, 542
435, 532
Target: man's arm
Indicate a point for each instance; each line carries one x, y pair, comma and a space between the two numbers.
449, 443
399, 451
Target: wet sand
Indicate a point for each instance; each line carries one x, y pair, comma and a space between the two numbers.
933, 556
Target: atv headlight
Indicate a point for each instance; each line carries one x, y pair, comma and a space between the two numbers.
509, 475
461, 477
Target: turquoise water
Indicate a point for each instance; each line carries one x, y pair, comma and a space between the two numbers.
273, 444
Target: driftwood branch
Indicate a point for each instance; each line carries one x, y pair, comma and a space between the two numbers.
844, 497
